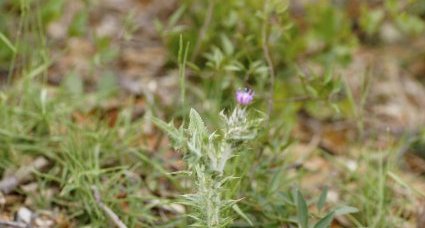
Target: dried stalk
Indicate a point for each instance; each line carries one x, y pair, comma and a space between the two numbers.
108, 211
12, 224
24, 174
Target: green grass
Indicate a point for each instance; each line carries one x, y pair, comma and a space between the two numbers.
92, 136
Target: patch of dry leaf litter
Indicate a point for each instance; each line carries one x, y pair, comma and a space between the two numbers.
389, 99
138, 66
16, 209
140, 55
394, 99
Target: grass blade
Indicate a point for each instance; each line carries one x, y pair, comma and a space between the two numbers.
322, 198
7, 42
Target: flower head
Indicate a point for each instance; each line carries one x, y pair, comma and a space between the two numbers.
244, 96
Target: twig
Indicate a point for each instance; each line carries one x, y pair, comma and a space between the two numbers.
23, 175
203, 30
12, 224
266, 53
108, 211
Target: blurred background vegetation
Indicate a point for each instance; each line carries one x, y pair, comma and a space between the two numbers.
341, 81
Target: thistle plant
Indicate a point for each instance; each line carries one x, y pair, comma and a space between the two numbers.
207, 155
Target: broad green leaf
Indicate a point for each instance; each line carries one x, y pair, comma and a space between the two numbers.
302, 210
322, 198
228, 47
326, 221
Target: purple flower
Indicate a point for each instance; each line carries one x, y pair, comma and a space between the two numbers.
244, 96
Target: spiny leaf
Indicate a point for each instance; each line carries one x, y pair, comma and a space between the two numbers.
196, 124
236, 208
175, 134
166, 127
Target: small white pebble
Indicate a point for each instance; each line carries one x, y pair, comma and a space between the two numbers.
29, 188
177, 208
44, 222
333, 196
351, 165
152, 86
24, 215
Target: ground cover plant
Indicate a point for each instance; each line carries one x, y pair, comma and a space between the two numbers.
238, 113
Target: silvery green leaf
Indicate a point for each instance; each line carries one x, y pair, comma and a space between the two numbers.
242, 214
194, 148
175, 134
196, 124
229, 178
